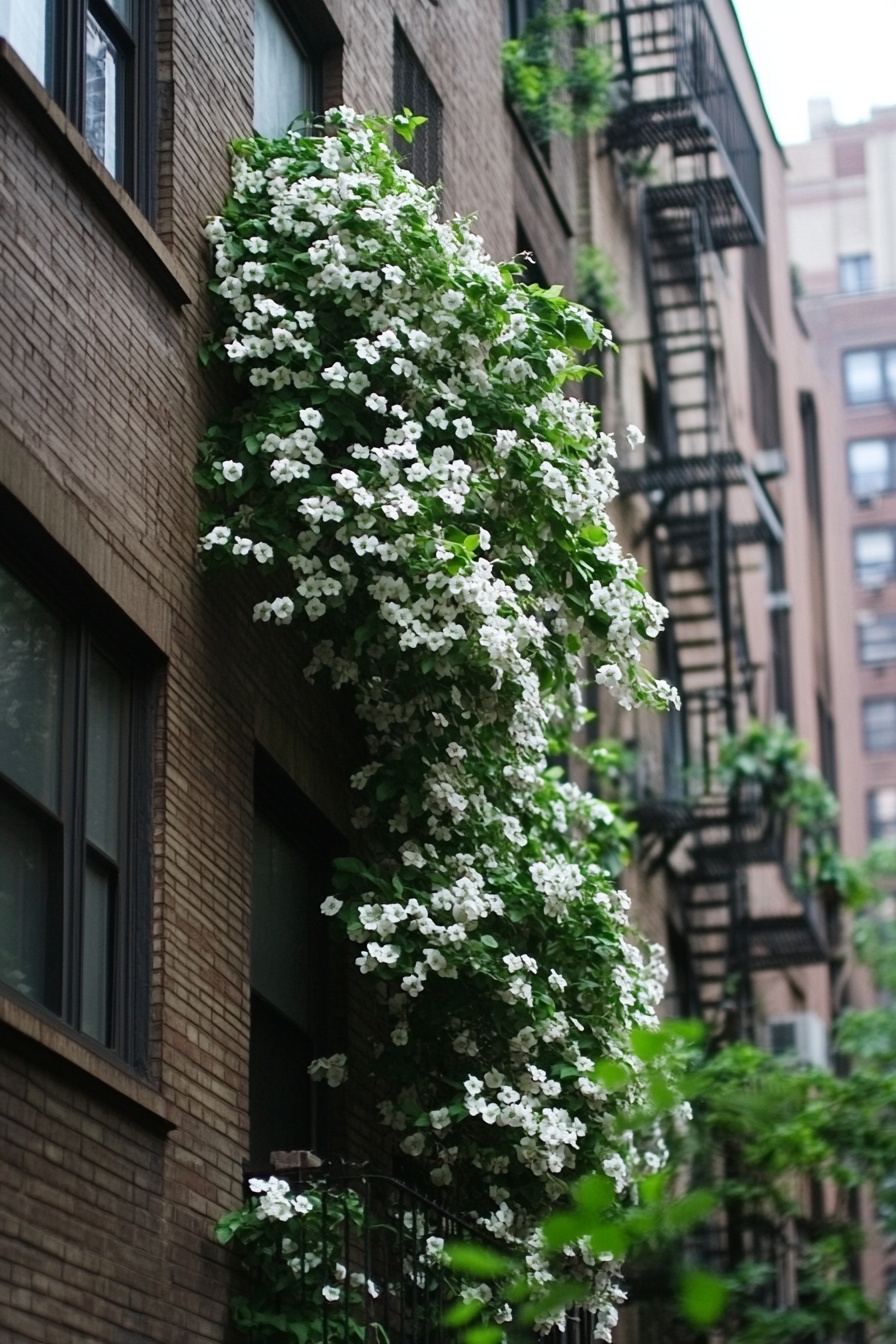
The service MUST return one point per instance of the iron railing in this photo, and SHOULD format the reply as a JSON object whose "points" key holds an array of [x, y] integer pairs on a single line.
{"points": [[373, 1270]]}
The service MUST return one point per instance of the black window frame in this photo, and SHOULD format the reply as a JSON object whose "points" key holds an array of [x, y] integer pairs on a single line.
{"points": [[855, 477], [888, 396], [412, 88], [868, 730], [92, 624], [65, 79]]}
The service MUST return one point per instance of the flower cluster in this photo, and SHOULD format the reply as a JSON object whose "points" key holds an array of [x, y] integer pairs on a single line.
{"points": [[432, 509]]}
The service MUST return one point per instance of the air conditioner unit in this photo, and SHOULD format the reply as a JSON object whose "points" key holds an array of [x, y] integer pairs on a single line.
{"points": [[801, 1036]]}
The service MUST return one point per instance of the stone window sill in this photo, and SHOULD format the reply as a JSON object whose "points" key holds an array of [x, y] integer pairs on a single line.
{"points": [[29, 1031], [21, 87]]}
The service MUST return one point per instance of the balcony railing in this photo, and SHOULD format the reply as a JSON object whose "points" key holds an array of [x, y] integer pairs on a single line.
{"points": [[374, 1273]]}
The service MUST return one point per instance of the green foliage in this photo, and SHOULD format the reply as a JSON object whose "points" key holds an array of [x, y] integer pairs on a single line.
{"points": [[597, 281], [557, 75]]}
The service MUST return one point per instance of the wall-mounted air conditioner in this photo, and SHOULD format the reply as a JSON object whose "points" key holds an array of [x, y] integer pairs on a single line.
{"points": [[801, 1036]]}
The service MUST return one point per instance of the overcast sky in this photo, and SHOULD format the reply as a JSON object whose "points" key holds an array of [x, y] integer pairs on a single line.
{"points": [[844, 50]]}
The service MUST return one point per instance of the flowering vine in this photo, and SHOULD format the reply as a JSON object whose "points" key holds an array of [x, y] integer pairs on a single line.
{"points": [[431, 509]]}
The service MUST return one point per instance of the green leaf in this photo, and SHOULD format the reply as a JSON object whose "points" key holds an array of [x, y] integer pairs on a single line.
{"points": [[702, 1297], [484, 1334], [480, 1262], [488, 941], [471, 543], [461, 1313], [349, 866], [596, 535]]}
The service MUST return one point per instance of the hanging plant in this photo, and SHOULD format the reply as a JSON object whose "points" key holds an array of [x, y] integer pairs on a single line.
{"points": [[431, 510], [559, 77]]}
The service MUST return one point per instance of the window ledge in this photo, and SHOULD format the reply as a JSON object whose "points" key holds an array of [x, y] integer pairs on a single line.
{"points": [[26, 1029], [22, 87]]}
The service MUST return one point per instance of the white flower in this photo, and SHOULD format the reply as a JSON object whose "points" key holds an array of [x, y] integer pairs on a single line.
{"points": [[331, 1293], [463, 427], [263, 553], [232, 471], [219, 536], [333, 1069], [634, 436], [242, 545], [413, 1144], [331, 906], [376, 403]]}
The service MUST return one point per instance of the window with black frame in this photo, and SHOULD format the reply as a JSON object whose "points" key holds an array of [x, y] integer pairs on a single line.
{"points": [[74, 789], [95, 59], [413, 89], [292, 853], [286, 78]]}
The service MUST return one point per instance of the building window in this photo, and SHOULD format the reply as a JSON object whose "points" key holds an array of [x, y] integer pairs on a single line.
{"points": [[882, 814], [856, 274], [292, 853], [870, 375], [517, 15], [879, 724], [95, 59], [877, 640], [874, 549], [872, 466], [412, 88], [73, 790], [285, 77]]}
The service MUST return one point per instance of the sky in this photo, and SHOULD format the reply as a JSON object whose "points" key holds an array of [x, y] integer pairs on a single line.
{"points": [[844, 50]]}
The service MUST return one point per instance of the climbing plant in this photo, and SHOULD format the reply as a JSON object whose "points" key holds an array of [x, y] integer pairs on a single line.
{"points": [[558, 72], [403, 470]]}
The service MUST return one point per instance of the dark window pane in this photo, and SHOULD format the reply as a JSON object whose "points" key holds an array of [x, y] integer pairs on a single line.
{"points": [[124, 9], [30, 913], [96, 950], [280, 1091], [102, 88], [31, 653], [879, 723], [284, 907], [105, 729], [282, 73], [412, 88]]}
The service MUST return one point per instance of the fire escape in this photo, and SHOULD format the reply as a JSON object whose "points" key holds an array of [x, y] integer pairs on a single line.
{"points": [[677, 105]]}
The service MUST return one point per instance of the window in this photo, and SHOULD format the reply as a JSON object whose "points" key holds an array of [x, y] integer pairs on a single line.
{"points": [[882, 814], [95, 58], [284, 76], [73, 849], [875, 555], [870, 375], [517, 14], [877, 640], [412, 88], [856, 274], [872, 466], [879, 724], [292, 853]]}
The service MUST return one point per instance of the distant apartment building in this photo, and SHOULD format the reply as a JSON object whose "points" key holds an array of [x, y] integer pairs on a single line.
{"points": [[842, 225]]}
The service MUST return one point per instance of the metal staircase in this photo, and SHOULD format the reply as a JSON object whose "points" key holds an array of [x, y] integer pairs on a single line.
{"points": [[676, 100]]}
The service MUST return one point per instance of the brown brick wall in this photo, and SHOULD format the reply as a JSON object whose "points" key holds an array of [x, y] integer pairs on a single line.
{"points": [[105, 1222]]}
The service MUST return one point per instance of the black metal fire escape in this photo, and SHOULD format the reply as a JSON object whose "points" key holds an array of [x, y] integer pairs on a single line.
{"points": [[677, 102]]}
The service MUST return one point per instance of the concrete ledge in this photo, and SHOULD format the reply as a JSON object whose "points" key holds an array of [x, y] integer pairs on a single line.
{"points": [[21, 87], [28, 1030]]}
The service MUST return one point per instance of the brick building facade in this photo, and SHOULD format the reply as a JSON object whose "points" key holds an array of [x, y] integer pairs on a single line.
{"points": [[144, 718]]}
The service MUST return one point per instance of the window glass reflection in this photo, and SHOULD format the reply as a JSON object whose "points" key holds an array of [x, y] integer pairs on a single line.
{"points": [[24, 25], [31, 651], [101, 84], [282, 73]]}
